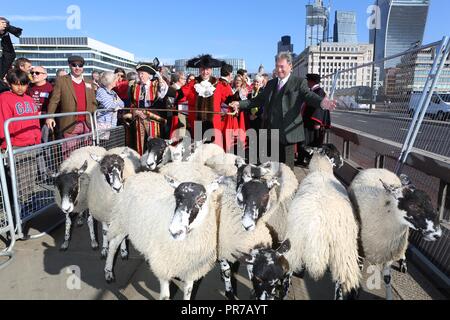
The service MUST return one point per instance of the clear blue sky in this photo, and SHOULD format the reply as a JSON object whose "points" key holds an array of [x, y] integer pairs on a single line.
{"points": [[248, 29]]}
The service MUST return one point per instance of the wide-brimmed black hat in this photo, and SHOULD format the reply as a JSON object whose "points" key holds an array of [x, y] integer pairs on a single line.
{"points": [[314, 77], [74, 59], [205, 61]]}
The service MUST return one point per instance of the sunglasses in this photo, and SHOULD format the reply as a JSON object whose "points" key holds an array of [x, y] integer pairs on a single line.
{"points": [[36, 73], [77, 65]]}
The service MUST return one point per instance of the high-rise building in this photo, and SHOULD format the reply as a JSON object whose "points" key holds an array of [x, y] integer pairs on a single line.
{"points": [[402, 25], [345, 27], [180, 65], [285, 45], [317, 23], [52, 53], [337, 57]]}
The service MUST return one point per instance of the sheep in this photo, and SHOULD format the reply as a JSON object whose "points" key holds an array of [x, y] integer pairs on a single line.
{"points": [[223, 164], [175, 231], [233, 238], [275, 213], [322, 228], [386, 207], [270, 271], [203, 152], [71, 187], [107, 180], [160, 152]]}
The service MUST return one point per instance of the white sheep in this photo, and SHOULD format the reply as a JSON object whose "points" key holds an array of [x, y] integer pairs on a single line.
{"points": [[71, 188], [176, 232], [107, 180], [387, 206], [203, 152], [322, 228]]}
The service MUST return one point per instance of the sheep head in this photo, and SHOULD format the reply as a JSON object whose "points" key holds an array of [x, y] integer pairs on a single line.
{"points": [[414, 208], [269, 271], [67, 185], [192, 206]]}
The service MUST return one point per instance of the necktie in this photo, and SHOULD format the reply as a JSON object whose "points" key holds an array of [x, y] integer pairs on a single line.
{"points": [[280, 86], [142, 97]]}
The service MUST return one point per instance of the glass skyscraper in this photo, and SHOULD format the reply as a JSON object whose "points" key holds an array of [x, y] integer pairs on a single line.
{"points": [[317, 23], [345, 27], [402, 26]]}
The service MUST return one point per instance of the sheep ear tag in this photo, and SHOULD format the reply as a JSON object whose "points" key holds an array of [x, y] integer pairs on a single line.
{"points": [[240, 162], [212, 187], [83, 168], [406, 181], [172, 182], [284, 247], [96, 158], [392, 190], [272, 183]]}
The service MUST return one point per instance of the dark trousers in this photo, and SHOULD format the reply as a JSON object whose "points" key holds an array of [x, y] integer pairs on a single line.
{"points": [[286, 153]]}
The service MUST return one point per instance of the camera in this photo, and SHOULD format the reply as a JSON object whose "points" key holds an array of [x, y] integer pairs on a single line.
{"points": [[11, 29]]}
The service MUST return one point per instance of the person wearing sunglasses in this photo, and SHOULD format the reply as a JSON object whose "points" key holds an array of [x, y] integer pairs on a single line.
{"points": [[41, 89], [72, 93]]}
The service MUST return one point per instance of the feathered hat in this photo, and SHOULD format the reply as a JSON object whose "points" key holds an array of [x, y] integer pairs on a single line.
{"points": [[148, 67], [205, 61]]}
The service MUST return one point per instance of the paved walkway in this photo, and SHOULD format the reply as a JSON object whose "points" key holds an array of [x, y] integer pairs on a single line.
{"points": [[40, 271]]}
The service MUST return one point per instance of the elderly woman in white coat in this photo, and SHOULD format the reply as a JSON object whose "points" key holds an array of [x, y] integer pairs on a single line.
{"points": [[109, 101]]}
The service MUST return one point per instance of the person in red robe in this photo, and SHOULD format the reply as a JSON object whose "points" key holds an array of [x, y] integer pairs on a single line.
{"points": [[200, 95]]}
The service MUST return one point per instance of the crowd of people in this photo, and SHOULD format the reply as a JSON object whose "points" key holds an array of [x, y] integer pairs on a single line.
{"points": [[154, 102]]}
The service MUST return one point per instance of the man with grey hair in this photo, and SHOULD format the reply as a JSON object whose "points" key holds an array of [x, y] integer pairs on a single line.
{"points": [[281, 101]]}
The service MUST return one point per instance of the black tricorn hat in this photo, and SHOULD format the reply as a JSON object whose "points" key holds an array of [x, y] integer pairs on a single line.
{"points": [[313, 77], [149, 67], [205, 61]]}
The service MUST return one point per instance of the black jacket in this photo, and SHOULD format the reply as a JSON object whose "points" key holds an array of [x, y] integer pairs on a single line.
{"points": [[288, 105], [6, 61], [313, 116]]}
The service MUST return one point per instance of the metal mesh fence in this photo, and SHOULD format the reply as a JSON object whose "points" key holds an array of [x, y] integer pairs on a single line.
{"points": [[112, 137], [382, 100], [4, 223], [35, 191]]}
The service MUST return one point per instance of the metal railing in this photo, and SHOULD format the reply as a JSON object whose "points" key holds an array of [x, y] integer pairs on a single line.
{"points": [[6, 218], [32, 190], [383, 125]]}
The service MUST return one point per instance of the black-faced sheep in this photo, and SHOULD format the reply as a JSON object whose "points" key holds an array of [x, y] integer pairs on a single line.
{"points": [[175, 231], [107, 180], [387, 206], [71, 188]]}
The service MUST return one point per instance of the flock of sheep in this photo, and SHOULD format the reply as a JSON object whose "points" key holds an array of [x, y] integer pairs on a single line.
{"points": [[187, 207]]}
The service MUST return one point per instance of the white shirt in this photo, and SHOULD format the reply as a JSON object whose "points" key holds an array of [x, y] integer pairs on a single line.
{"points": [[77, 80], [282, 82]]}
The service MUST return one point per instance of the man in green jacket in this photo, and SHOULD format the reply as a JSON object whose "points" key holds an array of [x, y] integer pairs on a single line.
{"points": [[282, 100]]}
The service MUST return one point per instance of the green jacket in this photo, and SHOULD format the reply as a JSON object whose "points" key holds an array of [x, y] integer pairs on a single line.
{"points": [[292, 96]]}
